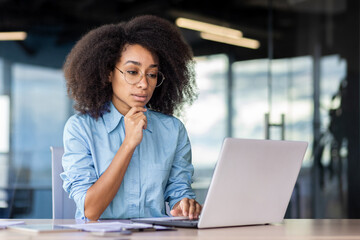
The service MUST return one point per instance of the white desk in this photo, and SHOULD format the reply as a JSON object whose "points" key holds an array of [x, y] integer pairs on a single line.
{"points": [[299, 229]]}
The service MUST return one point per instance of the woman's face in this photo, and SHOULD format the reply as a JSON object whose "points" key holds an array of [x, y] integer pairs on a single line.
{"points": [[135, 61]]}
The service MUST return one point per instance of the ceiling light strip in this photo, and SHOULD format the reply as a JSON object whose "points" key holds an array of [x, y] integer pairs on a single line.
{"points": [[241, 42], [208, 28], [13, 36]]}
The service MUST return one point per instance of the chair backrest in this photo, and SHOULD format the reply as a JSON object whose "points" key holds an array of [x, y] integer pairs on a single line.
{"points": [[62, 206]]}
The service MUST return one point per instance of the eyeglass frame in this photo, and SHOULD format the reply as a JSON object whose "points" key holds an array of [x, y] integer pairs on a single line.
{"points": [[141, 76]]}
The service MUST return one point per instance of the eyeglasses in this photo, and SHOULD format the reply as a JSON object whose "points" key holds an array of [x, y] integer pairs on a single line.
{"points": [[134, 76]]}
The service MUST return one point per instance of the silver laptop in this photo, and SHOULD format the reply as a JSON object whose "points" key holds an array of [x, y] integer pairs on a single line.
{"points": [[252, 184]]}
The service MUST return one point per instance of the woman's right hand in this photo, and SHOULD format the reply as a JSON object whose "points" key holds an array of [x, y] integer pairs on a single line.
{"points": [[135, 121], [103, 191]]}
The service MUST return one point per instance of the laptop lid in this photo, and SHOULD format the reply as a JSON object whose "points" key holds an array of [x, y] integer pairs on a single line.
{"points": [[252, 182]]}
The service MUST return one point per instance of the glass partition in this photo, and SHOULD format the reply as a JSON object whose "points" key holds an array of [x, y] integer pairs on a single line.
{"points": [[39, 109]]}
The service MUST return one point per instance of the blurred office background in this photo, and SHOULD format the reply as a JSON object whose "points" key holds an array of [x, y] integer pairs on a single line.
{"points": [[293, 73]]}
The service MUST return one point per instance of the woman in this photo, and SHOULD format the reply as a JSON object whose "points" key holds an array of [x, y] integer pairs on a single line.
{"points": [[125, 154]]}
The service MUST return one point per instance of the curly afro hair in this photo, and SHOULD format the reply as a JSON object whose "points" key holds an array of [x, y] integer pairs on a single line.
{"points": [[89, 63]]}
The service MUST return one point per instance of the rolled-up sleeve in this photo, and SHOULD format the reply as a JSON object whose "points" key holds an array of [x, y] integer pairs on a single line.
{"points": [[79, 172], [180, 179]]}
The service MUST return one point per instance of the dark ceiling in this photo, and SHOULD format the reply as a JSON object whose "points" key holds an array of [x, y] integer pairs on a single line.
{"points": [[54, 25]]}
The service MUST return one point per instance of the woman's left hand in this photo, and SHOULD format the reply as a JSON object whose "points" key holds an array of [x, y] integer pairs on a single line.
{"points": [[186, 207]]}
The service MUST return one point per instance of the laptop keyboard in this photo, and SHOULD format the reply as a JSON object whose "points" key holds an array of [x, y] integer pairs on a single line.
{"points": [[183, 220]]}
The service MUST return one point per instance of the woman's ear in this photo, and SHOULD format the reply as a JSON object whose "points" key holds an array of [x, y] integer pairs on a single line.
{"points": [[110, 76]]}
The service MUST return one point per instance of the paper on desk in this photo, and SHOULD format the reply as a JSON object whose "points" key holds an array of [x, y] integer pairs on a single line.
{"points": [[5, 224], [109, 226]]}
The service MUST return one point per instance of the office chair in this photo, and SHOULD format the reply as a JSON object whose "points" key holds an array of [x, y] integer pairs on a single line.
{"points": [[62, 206]]}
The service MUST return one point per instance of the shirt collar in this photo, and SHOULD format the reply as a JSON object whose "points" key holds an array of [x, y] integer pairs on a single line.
{"points": [[113, 118], [149, 120]]}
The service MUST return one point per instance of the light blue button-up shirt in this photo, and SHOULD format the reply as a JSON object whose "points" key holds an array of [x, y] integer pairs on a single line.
{"points": [[160, 169]]}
